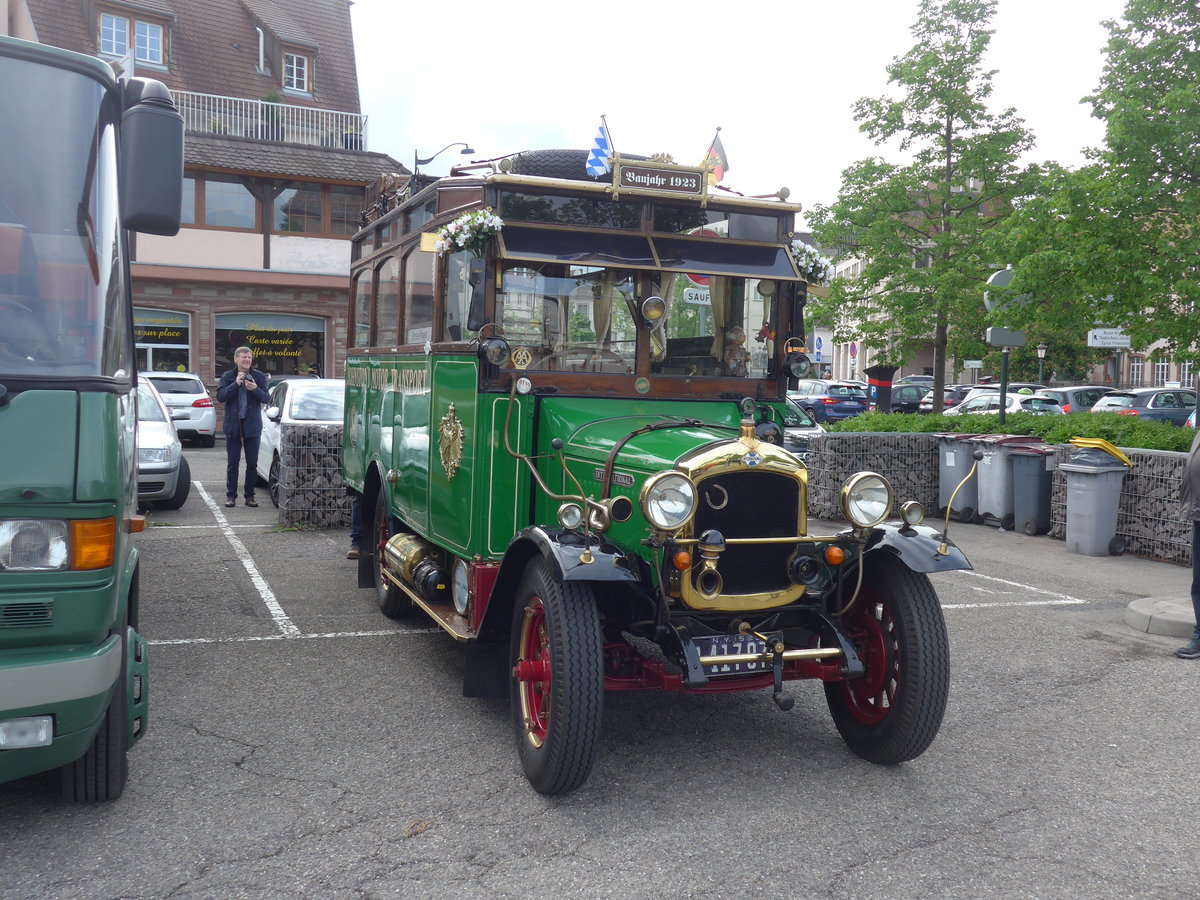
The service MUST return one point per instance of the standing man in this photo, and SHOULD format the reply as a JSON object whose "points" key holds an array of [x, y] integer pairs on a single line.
{"points": [[243, 390], [1189, 495]]}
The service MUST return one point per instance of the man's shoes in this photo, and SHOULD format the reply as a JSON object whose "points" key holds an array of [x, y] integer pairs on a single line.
{"points": [[1190, 650], [352, 553], [231, 501], [250, 501]]}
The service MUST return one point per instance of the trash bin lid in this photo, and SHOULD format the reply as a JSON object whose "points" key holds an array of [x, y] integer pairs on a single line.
{"points": [[1098, 458], [1101, 444], [1038, 449]]}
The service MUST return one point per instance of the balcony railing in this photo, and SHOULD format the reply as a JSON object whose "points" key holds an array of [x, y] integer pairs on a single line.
{"points": [[265, 121]]}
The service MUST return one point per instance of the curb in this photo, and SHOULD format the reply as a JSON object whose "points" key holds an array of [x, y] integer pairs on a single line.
{"points": [[1170, 616]]}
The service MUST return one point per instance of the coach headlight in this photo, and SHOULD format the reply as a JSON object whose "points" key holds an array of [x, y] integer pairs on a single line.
{"points": [[668, 501], [866, 499]]}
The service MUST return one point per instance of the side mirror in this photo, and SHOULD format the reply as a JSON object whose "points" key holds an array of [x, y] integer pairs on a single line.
{"points": [[151, 185], [274, 413]]}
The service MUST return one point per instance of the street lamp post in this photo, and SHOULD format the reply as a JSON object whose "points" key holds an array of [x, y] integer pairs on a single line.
{"points": [[417, 161], [1041, 350]]}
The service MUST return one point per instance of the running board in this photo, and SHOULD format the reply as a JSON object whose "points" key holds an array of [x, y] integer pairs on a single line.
{"points": [[444, 614]]}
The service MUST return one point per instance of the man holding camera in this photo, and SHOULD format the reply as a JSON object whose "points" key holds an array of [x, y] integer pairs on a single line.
{"points": [[243, 390]]}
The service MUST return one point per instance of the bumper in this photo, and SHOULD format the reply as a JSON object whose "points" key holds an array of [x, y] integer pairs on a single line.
{"points": [[73, 686], [157, 482]]}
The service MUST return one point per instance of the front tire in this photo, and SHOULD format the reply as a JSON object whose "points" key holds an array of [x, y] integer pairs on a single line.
{"points": [[273, 484], [183, 486], [393, 602], [893, 712], [100, 774], [557, 683]]}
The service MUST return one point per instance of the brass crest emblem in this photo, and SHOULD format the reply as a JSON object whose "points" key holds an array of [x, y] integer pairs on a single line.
{"points": [[521, 358], [450, 442]]}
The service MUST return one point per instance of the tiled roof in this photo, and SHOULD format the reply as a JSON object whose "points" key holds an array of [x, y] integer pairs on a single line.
{"points": [[213, 45], [267, 158]]}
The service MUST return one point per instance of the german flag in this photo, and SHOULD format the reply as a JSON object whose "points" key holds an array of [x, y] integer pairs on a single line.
{"points": [[716, 160]]}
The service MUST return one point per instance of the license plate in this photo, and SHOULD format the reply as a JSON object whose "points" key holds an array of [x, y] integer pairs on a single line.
{"points": [[731, 645]]}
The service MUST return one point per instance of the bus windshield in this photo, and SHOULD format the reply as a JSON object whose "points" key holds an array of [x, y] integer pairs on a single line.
{"points": [[60, 243]]}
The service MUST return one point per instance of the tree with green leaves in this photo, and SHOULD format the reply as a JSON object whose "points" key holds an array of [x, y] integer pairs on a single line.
{"points": [[1117, 242], [918, 226]]}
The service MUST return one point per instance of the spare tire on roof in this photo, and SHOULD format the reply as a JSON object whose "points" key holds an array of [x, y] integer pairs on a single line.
{"points": [[569, 164]]}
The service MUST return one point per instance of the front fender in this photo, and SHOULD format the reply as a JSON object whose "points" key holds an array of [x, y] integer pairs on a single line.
{"points": [[920, 547], [562, 551]]}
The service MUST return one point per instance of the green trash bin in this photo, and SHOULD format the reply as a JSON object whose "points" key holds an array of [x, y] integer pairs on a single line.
{"points": [[1094, 479]]}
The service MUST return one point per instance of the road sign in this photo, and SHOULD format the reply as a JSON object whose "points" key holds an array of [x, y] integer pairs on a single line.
{"points": [[972, 363], [853, 350], [1107, 337], [1003, 278], [1005, 337]]}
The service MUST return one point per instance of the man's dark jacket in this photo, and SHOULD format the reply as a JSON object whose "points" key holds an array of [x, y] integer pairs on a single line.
{"points": [[227, 393]]}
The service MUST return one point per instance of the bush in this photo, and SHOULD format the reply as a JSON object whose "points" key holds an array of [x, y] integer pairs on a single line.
{"points": [[1131, 432]]}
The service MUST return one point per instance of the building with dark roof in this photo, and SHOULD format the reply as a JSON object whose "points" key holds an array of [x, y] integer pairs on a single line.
{"points": [[276, 170]]}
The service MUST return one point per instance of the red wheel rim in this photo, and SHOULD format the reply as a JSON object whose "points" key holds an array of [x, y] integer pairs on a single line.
{"points": [[872, 628], [533, 684]]}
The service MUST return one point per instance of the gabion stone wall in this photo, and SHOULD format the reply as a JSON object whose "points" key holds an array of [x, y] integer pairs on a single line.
{"points": [[1150, 516], [909, 461], [311, 491]]}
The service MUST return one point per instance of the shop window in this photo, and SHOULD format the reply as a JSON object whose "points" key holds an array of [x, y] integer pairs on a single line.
{"points": [[283, 344], [162, 340]]}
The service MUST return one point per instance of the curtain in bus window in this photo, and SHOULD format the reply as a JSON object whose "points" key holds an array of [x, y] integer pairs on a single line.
{"points": [[418, 296], [387, 299]]}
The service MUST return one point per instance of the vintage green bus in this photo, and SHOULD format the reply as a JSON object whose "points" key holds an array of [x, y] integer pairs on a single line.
{"points": [[85, 158], [565, 410]]}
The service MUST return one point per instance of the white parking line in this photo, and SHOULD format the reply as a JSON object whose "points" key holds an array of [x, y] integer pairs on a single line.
{"points": [[1055, 598], [298, 636], [286, 626]]}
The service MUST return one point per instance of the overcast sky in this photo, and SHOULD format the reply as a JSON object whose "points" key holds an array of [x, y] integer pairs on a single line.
{"points": [[778, 76]]}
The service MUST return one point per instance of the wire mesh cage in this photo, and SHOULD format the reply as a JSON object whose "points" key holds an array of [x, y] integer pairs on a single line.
{"points": [[310, 477], [908, 461]]}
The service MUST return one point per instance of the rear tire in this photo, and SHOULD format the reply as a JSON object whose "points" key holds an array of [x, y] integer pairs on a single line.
{"points": [[101, 773], [273, 485], [556, 707], [393, 602], [183, 486], [893, 712]]}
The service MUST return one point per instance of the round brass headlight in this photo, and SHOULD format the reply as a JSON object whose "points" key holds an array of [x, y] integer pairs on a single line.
{"points": [[866, 499], [668, 501]]}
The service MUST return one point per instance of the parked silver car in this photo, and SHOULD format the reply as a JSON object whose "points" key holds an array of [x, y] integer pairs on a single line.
{"points": [[164, 478], [183, 390], [296, 401], [989, 403]]}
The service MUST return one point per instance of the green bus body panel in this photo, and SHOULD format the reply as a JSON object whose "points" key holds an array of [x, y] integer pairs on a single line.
{"points": [[452, 501], [37, 452]]}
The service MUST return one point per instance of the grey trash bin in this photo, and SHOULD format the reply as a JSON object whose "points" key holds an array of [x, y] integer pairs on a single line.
{"points": [[955, 458], [1093, 499], [1032, 480], [996, 476]]}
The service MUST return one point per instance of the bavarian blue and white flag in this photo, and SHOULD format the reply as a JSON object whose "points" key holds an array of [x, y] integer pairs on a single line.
{"points": [[599, 161]]}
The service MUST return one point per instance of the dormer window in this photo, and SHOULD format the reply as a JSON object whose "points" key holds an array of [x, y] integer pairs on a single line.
{"points": [[295, 72], [149, 38]]}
